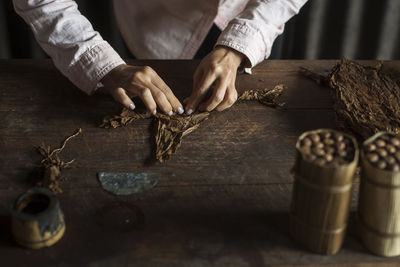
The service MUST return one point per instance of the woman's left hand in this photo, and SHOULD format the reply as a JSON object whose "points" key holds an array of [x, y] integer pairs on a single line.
{"points": [[218, 68]]}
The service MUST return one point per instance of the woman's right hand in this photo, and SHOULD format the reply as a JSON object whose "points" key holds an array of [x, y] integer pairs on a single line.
{"points": [[126, 81]]}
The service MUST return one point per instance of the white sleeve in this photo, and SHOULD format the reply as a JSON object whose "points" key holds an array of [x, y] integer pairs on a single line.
{"points": [[254, 30], [77, 50]]}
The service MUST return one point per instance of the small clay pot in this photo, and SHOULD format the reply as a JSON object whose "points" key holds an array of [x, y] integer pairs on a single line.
{"points": [[37, 220]]}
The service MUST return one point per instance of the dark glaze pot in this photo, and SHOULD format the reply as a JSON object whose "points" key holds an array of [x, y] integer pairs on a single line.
{"points": [[37, 220]]}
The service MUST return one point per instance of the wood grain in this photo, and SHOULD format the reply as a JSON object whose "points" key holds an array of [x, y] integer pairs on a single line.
{"points": [[223, 198]]}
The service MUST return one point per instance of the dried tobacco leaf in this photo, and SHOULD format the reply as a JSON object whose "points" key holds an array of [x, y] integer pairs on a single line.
{"points": [[126, 117], [318, 78], [366, 99], [265, 96], [52, 165], [171, 130]]}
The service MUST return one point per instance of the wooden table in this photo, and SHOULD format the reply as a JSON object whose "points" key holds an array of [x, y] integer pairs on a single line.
{"points": [[222, 199]]}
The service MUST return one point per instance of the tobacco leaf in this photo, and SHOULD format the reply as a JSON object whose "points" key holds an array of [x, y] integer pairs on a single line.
{"points": [[171, 130], [51, 165], [316, 77], [126, 117], [268, 97], [366, 99]]}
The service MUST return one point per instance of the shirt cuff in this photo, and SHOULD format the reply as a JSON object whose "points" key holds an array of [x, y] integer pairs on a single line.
{"points": [[246, 40], [92, 66]]}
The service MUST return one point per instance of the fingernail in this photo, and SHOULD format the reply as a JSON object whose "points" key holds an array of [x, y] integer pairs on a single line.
{"points": [[132, 106], [190, 111], [154, 112], [180, 110], [170, 113]]}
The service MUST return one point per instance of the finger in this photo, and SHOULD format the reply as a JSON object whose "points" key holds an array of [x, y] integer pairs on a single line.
{"points": [[231, 96], [198, 74], [161, 100], [148, 100], [217, 96], [197, 79], [119, 94], [200, 89], [173, 101]]}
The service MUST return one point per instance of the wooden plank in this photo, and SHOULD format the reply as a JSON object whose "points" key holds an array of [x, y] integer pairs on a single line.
{"points": [[48, 108], [239, 146]]}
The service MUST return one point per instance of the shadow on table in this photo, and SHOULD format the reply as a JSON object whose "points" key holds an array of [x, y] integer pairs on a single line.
{"points": [[121, 232], [198, 237], [6, 239]]}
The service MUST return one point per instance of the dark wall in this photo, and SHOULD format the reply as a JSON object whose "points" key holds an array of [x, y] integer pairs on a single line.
{"points": [[324, 29], [357, 29]]}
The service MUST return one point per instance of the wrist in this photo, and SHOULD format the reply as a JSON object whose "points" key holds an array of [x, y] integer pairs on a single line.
{"points": [[237, 58], [110, 78]]}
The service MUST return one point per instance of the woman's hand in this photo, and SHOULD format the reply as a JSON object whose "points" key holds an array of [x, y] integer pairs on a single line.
{"points": [[127, 81], [218, 68]]}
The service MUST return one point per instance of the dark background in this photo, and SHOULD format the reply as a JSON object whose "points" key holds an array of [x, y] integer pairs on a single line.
{"points": [[324, 29]]}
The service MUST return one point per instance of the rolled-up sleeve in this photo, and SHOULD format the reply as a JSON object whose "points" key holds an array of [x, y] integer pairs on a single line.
{"points": [[76, 49], [254, 30]]}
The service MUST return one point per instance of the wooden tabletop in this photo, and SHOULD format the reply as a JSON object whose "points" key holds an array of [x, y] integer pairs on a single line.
{"points": [[223, 199]]}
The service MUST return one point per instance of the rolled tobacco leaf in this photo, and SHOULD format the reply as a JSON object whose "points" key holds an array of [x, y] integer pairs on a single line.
{"points": [[325, 165], [378, 203]]}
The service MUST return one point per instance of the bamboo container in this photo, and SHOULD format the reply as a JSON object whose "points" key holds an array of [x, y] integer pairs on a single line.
{"points": [[37, 220], [321, 200], [379, 207]]}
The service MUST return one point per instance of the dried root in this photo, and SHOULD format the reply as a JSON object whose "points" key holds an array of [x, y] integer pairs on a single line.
{"points": [[52, 165]]}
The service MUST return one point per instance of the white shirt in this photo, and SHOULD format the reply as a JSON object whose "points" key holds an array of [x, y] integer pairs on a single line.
{"points": [[153, 29]]}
